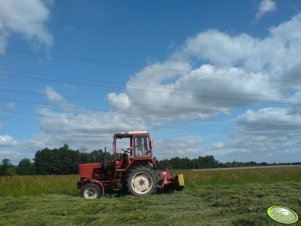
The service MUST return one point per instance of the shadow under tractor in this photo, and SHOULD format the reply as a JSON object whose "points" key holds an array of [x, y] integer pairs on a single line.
{"points": [[133, 168]]}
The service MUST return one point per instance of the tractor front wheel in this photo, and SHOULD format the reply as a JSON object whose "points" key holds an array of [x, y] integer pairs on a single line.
{"points": [[141, 181], [90, 191]]}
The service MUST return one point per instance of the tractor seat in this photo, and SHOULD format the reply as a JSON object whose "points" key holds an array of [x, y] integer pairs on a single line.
{"points": [[120, 163], [124, 162]]}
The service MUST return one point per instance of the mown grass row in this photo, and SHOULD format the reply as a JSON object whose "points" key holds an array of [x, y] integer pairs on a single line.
{"points": [[66, 184]]}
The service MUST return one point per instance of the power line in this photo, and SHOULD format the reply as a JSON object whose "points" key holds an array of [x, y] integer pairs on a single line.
{"points": [[125, 64], [66, 105], [11, 72], [99, 121], [85, 108], [89, 120], [70, 106], [88, 99], [59, 76], [141, 85], [171, 93], [43, 94], [88, 60], [138, 90]]}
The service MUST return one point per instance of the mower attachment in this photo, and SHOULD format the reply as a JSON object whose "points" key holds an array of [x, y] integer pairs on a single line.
{"points": [[180, 179], [168, 181]]}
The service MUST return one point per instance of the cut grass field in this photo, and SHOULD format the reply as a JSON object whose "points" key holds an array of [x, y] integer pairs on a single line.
{"points": [[219, 197]]}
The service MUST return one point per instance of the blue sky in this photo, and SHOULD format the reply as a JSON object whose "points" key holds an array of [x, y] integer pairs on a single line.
{"points": [[204, 77]]}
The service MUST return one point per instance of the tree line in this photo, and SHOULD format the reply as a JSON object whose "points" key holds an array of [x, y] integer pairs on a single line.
{"points": [[65, 161], [49, 161]]}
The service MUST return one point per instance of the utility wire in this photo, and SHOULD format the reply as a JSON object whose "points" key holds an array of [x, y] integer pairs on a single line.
{"points": [[60, 76], [135, 66], [140, 85], [66, 105], [84, 108], [44, 94], [11, 73], [90, 60], [70, 106], [89, 120], [170, 93], [98, 121]]}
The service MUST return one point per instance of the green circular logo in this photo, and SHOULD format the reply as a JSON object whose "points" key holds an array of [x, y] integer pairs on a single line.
{"points": [[282, 214]]}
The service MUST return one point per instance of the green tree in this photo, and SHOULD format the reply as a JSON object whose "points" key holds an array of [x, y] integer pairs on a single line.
{"points": [[6, 168], [26, 167], [57, 161]]}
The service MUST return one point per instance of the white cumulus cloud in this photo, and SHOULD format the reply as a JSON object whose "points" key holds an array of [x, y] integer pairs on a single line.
{"points": [[264, 7], [179, 147], [66, 123], [53, 95], [26, 18], [15, 149], [89, 129], [212, 73], [7, 140], [215, 72], [57, 99], [119, 101], [219, 47], [269, 134], [239, 71]]}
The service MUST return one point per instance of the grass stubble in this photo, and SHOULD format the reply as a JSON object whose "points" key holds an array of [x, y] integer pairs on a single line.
{"points": [[219, 197]]}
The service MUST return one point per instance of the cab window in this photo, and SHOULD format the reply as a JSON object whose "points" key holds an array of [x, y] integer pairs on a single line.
{"points": [[141, 145]]}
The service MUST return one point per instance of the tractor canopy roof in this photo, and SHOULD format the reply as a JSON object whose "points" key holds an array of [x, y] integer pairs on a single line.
{"points": [[130, 134]]}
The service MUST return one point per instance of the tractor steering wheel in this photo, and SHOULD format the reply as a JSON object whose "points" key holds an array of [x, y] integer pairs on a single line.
{"points": [[126, 150]]}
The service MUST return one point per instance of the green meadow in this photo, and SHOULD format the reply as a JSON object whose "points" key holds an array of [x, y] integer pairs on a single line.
{"points": [[211, 197]]}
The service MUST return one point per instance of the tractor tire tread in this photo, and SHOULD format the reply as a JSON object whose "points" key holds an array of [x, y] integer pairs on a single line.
{"points": [[99, 193], [148, 170]]}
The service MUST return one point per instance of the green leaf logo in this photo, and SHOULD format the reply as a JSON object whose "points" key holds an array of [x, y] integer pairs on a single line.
{"points": [[282, 214]]}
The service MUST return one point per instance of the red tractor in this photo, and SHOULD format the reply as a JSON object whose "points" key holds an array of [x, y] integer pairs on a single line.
{"points": [[133, 168]]}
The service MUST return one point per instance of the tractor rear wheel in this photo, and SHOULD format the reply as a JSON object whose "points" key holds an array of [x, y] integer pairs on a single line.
{"points": [[90, 191], [141, 181]]}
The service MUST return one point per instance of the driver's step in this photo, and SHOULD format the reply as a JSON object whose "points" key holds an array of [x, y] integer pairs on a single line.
{"points": [[115, 187]]}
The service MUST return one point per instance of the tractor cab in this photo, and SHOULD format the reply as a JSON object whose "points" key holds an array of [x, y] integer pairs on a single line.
{"points": [[131, 147]]}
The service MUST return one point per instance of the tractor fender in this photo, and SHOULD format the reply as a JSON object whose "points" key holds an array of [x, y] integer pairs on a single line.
{"points": [[141, 162], [99, 184]]}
